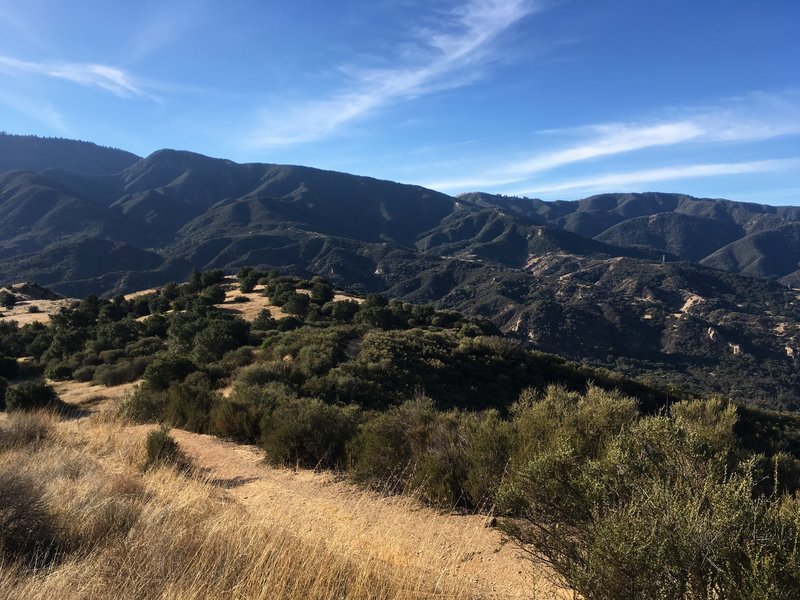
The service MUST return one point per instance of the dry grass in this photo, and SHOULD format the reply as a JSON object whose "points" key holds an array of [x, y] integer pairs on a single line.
{"points": [[19, 312], [124, 533]]}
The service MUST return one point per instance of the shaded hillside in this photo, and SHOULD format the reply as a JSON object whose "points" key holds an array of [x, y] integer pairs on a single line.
{"points": [[774, 253], [685, 236], [680, 226], [32, 153], [582, 279]]}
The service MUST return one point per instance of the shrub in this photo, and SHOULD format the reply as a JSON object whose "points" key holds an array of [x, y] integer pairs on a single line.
{"points": [[381, 452], [111, 356], [3, 390], [440, 466], [85, 373], [59, 372], [144, 405], [34, 309], [166, 369], [162, 450], [261, 374], [649, 507], [236, 419], [123, 372], [148, 346], [8, 367], [236, 359], [31, 395], [264, 320], [7, 299], [487, 448], [308, 432]]}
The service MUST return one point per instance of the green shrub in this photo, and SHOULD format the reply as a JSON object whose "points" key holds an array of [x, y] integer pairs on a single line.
{"points": [[85, 373], [262, 374], [34, 309], [162, 450], [144, 405], [648, 507], [3, 390], [487, 449], [32, 395], [238, 358], [59, 372], [381, 452], [237, 420], [308, 432], [264, 320], [166, 369], [122, 372], [111, 356], [147, 347]]}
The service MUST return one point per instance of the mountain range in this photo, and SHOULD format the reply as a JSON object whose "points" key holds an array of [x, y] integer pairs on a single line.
{"points": [[680, 291]]}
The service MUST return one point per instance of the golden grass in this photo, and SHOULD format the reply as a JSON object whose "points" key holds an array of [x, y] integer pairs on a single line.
{"points": [[125, 533], [19, 312]]}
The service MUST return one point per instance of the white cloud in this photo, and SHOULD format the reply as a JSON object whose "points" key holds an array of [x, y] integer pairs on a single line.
{"points": [[111, 79], [750, 118], [447, 57], [615, 181]]}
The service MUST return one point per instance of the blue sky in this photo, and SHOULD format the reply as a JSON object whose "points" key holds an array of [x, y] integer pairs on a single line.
{"points": [[543, 98]]}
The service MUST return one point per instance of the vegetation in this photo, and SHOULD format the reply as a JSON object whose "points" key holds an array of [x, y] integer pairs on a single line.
{"points": [[77, 521], [624, 490]]}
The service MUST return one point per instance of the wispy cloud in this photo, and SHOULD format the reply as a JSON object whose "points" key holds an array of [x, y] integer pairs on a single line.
{"points": [[168, 22], [750, 118], [448, 56], [111, 79], [620, 181], [42, 112]]}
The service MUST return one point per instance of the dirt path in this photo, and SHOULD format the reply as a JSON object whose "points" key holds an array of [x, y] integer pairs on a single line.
{"points": [[395, 529]]}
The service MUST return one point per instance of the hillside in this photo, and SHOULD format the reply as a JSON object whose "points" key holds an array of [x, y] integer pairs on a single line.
{"points": [[32, 153], [581, 279], [312, 443]]}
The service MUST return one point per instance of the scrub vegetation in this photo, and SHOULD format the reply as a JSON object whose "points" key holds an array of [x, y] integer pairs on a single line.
{"points": [[623, 490]]}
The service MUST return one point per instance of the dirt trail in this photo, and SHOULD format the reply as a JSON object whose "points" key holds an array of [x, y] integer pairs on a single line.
{"points": [[395, 529]]}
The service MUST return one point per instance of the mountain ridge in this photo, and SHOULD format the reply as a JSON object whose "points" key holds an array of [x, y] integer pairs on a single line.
{"points": [[605, 279]]}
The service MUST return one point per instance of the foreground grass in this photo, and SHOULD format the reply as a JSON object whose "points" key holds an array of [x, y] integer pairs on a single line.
{"points": [[83, 519]]}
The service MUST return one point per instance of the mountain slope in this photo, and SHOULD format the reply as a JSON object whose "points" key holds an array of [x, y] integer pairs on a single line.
{"points": [[773, 254], [583, 279], [31, 153]]}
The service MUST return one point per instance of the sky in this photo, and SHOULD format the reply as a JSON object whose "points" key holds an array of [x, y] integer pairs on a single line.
{"points": [[553, 99]]}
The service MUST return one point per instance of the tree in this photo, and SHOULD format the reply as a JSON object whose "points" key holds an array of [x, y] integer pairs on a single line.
{"points": [[7, 299], [167, 368]]}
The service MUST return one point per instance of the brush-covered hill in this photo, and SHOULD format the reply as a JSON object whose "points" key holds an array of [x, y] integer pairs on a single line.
{"points": [[653, 285], [32, 153]]}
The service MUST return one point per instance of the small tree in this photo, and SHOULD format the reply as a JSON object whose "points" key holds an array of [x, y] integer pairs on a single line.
{"points": [[7, 299]]}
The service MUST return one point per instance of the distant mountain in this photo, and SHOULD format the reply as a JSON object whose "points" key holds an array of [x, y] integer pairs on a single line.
{"points": [[32, 153], [678, 226], [623, 281], [774, 253]]}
